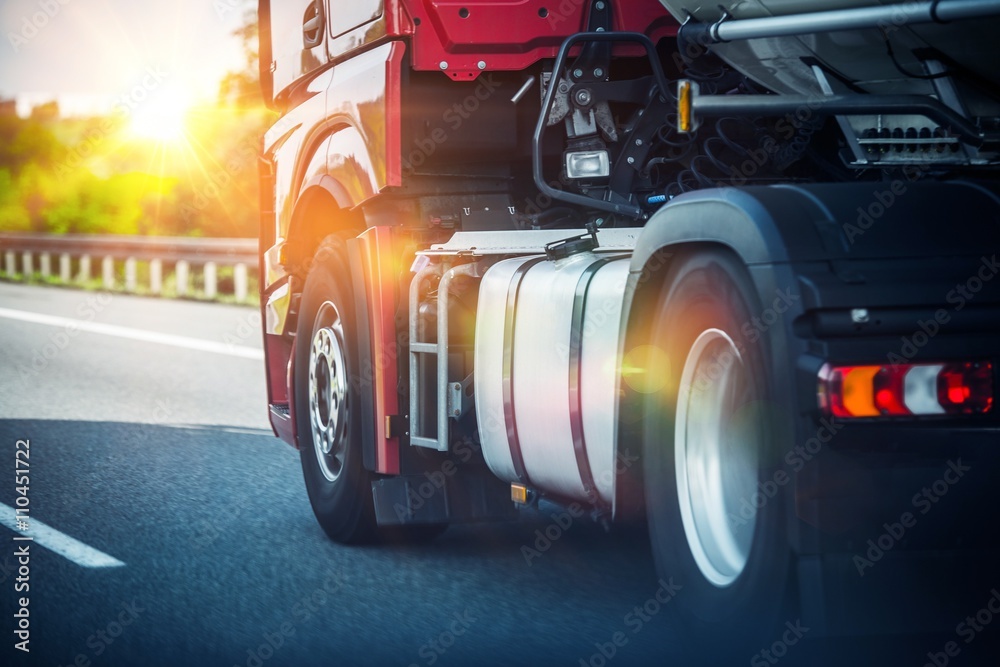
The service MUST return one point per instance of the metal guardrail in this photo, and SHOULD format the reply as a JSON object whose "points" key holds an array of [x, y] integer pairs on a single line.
{"points": [[77, 252]]}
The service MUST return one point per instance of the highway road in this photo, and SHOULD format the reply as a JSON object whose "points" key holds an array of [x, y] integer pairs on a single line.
{"points": [[173, 529], [160, 456]]}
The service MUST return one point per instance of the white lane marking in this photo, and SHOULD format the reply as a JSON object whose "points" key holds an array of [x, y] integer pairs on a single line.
{"points": [[134, 334], [50, 538]]}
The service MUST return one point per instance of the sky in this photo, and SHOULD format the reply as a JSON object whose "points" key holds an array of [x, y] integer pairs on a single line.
{"points": [[92, 54]]}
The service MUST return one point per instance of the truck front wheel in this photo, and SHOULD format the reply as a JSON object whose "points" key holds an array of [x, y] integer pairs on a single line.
{"points": [[327, 410], [707, 445]]}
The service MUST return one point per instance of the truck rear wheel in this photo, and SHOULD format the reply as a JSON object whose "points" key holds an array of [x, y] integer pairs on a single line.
{"points": [[327, 411], [706, 448]]}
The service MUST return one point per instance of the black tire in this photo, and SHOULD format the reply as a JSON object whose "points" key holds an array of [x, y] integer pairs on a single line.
{"points": [[735, 585], [338, 485], [343, 505]]}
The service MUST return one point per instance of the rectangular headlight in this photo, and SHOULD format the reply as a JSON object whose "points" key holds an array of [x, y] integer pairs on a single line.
{"points": [[588, 164]]}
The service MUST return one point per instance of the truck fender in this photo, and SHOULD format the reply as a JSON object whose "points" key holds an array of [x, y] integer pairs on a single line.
{"points": [[819, 248]]}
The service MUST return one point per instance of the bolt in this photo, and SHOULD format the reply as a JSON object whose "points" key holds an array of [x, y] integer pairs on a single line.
{"points": [[638, 142], [563, 87], [577, 73], [859, 315], [599, 6], [598, 72], [443, 64], [583, 97], [630, 160], [599, 222], [599, 30], [481, 64]]}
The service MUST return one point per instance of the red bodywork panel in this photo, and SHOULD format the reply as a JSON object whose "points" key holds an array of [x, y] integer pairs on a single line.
{"points": [[503, 35], [394, 117], [381, 278], [455, 36]]}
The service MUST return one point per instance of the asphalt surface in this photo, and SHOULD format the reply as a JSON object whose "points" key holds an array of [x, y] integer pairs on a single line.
{"points": [[161, 457]]}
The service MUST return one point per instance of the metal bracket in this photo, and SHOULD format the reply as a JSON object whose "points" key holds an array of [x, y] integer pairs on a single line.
{"points": [[713, 29], [460, 397], [617, 204], [595, 57]]}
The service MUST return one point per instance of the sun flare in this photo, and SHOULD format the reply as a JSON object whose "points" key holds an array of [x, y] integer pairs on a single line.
{"points": [[162, 119]]}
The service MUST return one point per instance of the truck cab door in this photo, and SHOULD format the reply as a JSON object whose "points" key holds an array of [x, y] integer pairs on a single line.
{"points": [[295, 36], [354, 23]]}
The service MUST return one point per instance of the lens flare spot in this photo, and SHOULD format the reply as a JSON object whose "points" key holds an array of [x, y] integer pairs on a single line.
{"points": [[646, 369]]}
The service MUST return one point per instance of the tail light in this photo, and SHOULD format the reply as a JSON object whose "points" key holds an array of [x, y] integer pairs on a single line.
{"points": [[905, 390]]}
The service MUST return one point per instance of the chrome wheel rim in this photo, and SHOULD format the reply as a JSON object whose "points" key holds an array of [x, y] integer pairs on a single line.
{"points": [[715, 460], [328, 395]]}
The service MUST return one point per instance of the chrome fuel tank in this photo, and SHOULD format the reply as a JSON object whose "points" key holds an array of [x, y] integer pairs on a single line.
{"points": [[547, 339]]}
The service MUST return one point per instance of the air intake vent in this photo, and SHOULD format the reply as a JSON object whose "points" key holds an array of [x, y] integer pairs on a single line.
{"points": [[878, 142]]}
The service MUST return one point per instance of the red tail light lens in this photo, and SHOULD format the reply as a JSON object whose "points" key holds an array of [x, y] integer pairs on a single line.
{"points": [[890, 391], [964, 388]]}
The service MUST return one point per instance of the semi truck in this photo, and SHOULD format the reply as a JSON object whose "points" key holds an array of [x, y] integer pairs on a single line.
{"points": [[726, 271]]}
